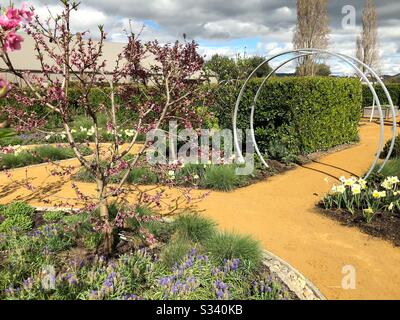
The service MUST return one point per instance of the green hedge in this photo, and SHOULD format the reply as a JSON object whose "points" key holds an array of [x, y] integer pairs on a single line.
{"points": [[296, 116], [54, 120], [393, 88]]}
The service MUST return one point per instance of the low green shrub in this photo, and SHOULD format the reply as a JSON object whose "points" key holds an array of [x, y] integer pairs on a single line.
{"points": [[92, 240], [18, 209], [222, 178], [18, 216], [19, 223], [162, 231], [391, 169], [228, 246], [53, 216], [138, 175], [396, 150], [175, 252], [195, 228], [38, 155]]}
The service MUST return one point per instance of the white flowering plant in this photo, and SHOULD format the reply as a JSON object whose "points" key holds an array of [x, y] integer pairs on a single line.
{"points": [[356, 195]]}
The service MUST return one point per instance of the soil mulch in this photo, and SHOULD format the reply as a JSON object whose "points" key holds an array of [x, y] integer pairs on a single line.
{"points": [[385, 225]]}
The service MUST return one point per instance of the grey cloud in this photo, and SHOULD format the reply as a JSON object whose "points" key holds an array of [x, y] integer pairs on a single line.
{"points": [[269, 20]]}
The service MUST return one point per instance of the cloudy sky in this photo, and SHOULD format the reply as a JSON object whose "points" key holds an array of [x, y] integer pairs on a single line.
{"points": [[261, 27]]}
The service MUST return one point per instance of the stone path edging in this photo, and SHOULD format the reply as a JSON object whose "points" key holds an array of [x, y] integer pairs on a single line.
{"points": [[303, 288]]}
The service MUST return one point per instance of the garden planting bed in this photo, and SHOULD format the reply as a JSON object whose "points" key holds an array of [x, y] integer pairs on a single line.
{"points": [[17, 156], [386, 225], [184, 258]]}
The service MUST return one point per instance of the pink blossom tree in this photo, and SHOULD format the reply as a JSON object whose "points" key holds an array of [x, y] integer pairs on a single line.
{"points": [[170, 84]]}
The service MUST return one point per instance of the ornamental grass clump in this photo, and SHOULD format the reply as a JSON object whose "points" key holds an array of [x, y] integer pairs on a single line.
{"points": [[227, 246], [358, 196], [194, 227]]}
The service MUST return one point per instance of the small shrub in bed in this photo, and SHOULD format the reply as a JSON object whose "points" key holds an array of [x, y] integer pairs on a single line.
{"points": [[17, 216], [228, 246], [138, 175], [396, 150], [38, 155], [195, 228], [391, 169], [222, 178], [53, 216], [175, 251]]}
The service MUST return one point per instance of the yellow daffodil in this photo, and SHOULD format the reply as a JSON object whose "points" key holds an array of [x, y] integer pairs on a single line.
{"points": [[368, 211], [376, 194], [382, 194]]}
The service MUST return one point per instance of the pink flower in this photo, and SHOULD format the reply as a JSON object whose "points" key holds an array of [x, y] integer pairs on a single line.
{"points": [[25, 12], [7, 23], [12, 42], [13, 14]]}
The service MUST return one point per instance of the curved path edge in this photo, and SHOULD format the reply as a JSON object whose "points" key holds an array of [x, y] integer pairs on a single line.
{"points": [[302, 287]]}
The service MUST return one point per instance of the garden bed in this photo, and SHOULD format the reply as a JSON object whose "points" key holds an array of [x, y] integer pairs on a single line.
{"points": [[186, 258], [373, 206], [385, 225], [18, 157], [209, 177]]}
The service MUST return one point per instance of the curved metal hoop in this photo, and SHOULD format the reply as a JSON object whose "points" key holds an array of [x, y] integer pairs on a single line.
{"points": [[307, 52]]}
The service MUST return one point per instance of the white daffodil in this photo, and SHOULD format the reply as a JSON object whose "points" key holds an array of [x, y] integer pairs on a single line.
{"points": [[171, 174], [196, 177], [48, 137], [393, 180], [350, 182], [73, 131], [363, 183], [356, 189], [342, 179], [387, 185], [91, 132], [338, 189], [83, 129], [130, 133], [391, 206]]}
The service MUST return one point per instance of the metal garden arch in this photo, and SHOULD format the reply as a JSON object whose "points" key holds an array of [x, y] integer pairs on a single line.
{"points": [[312, 52]]}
